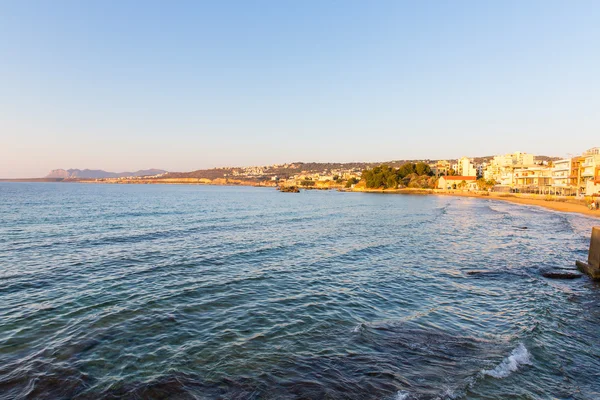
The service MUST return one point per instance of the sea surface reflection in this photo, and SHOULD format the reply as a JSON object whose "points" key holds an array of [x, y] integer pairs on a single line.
{"points": [[164, 291]]}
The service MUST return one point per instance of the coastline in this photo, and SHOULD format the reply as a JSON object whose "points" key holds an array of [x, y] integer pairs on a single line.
{"points": [[567, 205], [561, 204]]}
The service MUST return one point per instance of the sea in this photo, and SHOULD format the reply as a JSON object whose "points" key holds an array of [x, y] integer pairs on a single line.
{"points": [[205, 292]]}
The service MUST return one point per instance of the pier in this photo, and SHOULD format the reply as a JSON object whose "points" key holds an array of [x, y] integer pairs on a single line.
{"points": [[592, 266]]}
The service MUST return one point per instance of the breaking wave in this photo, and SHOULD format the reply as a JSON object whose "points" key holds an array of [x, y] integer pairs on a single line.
{"points": [[402, 395], [519, 356]]}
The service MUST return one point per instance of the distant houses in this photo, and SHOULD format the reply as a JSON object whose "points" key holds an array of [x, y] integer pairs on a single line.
{"points": [[521, 172], [440, 167], [570, 176], [501, 168]]}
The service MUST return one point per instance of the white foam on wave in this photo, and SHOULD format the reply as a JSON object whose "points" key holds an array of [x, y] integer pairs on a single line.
{"points": [[401, 395], [510, 364]]}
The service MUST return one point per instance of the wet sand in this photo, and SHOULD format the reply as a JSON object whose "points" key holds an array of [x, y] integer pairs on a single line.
{"points": [[562, 206], [567, 205]]}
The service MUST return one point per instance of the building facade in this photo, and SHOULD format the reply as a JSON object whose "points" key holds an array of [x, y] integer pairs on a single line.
{"points": [[501, 168], [464, 167], [441, 167], [561, 173], [590, 171], [533, 176], [456, 182]]}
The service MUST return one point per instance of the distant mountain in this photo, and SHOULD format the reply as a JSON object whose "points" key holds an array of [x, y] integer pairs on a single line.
{"points": [[98, 173]]}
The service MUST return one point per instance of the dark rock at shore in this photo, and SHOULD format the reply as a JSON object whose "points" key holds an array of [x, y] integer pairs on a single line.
{"points": [[289, 189]]}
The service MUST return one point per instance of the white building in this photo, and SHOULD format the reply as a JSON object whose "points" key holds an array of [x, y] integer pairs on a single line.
{"points": [[501, 167], [457, 182], [533, 176], [561, 173], [464, 167], [590, 171]]}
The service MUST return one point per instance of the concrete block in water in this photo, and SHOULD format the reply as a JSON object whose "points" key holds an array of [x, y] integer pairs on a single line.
{"points": [[592, 267]]}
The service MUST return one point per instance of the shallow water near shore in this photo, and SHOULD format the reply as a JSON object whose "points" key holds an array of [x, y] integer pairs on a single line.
{"points": [[174, 291]]}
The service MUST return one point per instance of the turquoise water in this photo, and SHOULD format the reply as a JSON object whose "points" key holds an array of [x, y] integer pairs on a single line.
{"points": [[152, 291]]}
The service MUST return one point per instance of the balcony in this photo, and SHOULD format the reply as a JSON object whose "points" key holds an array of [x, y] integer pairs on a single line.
{"points": [[587, 174]]}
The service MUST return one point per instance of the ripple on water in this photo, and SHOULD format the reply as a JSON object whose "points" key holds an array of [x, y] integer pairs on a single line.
{"points": [[205, 292]]}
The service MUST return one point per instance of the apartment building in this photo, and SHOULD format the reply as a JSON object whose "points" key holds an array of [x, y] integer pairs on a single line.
{"points": [[533, 176], [590, 171], [561, 173], [440, 167], [501, 168], [464, 167]]}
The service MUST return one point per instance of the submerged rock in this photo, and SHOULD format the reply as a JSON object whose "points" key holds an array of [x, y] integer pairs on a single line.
{"points": [[482, 272]]}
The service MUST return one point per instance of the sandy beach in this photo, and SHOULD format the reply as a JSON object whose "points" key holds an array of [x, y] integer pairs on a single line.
{"points": [[562, 205]]}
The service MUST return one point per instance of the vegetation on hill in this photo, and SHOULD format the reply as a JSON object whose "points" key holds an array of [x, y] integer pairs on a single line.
{"points": [[416, 175], [307, 183], [352, 181]]}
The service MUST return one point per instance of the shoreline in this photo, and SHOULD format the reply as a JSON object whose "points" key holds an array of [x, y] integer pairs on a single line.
{"points": [[560, 204]]}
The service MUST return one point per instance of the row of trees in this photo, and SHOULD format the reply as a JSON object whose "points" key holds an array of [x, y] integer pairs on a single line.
{"points": [[409, 174]]}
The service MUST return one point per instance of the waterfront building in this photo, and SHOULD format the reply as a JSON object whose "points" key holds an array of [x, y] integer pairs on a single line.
{"points": [[561, 173], [464, 167], [440, 167], [456, 182], [501, 168], [575, 177], [533, 177], [590, 171]]}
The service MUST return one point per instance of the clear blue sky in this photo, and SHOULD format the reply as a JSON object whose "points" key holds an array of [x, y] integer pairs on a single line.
{"points": [[125, 85]]}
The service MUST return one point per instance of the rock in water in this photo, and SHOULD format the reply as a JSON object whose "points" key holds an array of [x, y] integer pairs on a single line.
{"points": [[289, 189], [560, 275]]}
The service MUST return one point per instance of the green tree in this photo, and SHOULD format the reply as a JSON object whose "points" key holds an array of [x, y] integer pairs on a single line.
{"points": [[351, 181], [391, 181], [406, 169], [483, 184], [382, 176], [423, 169]]}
